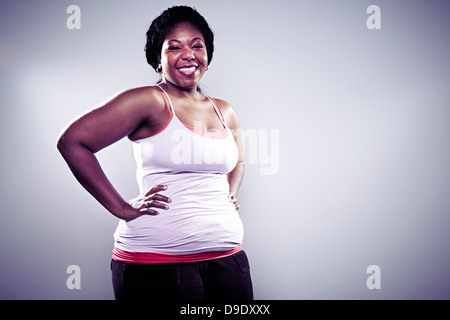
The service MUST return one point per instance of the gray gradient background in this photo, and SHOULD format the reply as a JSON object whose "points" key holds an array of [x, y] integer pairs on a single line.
{"points": [[363, 117]]}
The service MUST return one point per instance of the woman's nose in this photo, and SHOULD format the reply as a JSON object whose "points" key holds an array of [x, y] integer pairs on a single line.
{"points": [[188, 54]]}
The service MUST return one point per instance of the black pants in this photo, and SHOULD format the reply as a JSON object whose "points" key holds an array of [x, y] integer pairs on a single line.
{"points": [[220, 279]]}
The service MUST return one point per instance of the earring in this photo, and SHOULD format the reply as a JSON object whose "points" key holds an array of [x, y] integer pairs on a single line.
{"points": [[159, 69]]}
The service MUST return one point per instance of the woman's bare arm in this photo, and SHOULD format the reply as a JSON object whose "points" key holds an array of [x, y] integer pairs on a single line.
{"points": [[99, 128], [236, 176]]}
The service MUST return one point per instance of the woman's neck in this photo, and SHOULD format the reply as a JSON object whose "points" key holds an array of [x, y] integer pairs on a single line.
{"points": [[179, 92]]}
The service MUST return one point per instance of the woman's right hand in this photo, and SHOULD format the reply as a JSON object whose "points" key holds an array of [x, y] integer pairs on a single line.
{"points": [[149, 203]]}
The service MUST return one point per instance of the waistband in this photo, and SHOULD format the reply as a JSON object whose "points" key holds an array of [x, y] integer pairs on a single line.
{"points": [[157, 258]]}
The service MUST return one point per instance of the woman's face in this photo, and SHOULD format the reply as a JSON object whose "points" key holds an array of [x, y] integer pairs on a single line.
{"points": [[184, 58]]}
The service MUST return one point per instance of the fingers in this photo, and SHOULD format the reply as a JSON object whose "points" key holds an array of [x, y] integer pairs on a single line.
{"points": [[156, 189], [156, 204], [233, 200], [157, 197], [148, 210], [154, 200], [147, 207]]}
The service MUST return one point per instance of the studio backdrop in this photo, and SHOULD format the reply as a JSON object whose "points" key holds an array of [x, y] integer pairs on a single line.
{"points": [[345, 110]]}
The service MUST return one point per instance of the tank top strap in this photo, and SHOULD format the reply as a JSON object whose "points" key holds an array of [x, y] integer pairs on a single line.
{"points": [[213, 101], [217, 109], [167, 101]]}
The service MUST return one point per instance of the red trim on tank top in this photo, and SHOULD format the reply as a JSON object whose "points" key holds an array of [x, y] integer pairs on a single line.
{"points": [[218, 108], [170, 118], [222, 134], [158, 258], [163, 128]]}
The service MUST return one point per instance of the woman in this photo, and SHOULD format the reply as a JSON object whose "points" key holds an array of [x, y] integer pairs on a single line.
{"points": [[181, 238]]}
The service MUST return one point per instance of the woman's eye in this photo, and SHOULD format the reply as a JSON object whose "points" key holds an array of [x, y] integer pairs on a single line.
{"points": [[198, 46], [174, 48]]}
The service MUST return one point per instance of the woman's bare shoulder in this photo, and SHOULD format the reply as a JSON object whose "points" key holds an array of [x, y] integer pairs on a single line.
{"points": [[228, 112], [149, 96]]}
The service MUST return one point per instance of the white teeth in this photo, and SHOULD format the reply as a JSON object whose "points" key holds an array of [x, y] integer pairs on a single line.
{"points": [[187, 70]]}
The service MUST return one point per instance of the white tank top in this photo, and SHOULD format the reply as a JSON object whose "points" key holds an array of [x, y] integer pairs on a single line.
{"points": [[201, 217]]}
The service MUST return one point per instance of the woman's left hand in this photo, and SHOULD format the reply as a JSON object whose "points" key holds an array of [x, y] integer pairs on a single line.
{"points": [[233, 200]]}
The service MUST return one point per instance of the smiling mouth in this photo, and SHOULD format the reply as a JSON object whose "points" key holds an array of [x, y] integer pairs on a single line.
{"points": [[187, 70]]}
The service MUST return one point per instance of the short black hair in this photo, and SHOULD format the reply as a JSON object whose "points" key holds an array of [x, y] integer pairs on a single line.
{"points": [[165, 22]]}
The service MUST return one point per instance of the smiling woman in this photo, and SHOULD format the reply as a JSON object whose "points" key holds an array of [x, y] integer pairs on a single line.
{"points": [[185, 59], [160, 27], [181, 237]]}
